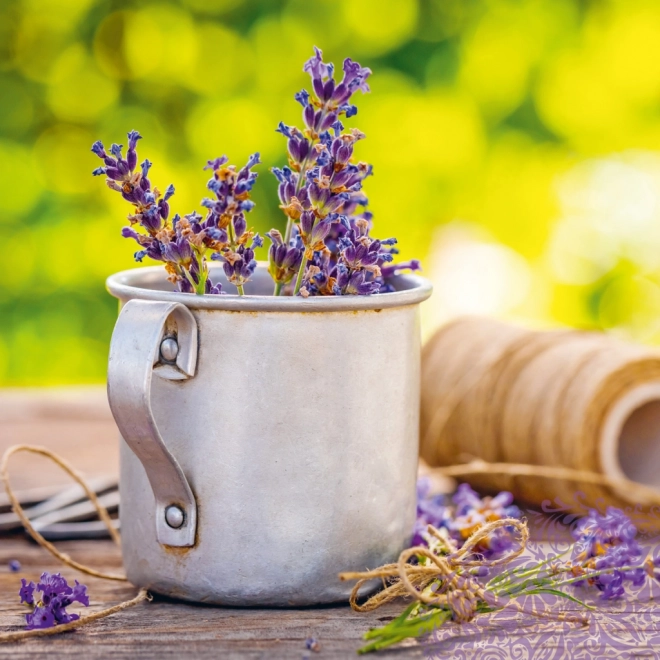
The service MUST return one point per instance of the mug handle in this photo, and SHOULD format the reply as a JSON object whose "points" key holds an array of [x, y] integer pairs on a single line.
{"points": [[154, 337]]}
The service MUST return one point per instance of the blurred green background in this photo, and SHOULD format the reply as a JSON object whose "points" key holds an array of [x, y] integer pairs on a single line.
{"points": [[515, 145]]}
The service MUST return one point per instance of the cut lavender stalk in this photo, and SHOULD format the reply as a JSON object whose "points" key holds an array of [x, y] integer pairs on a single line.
{"points": [[226, 215], [186, 243]]}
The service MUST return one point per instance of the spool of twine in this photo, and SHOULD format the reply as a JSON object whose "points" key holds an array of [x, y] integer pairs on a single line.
{"points": [[576, 412]]}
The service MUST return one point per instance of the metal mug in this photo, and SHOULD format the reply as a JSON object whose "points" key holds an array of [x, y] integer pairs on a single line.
{"points": [[269, 442]]}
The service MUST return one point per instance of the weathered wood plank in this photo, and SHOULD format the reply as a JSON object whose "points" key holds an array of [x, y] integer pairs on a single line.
{"points": [[77, 424], [169, 629]]}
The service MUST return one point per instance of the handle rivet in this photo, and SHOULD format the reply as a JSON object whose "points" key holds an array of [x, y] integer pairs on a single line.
{"points": [[169, 349], [174, 516]]}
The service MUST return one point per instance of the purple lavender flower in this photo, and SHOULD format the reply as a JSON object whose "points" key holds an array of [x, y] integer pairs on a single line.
{"points": [[360, 259], [598, 530], [283, 260], [468, 514], [431, 510], [40, 617], [319, 279], [312, 644], [326, 248], [56, 595], [473, 511], [226, 218], [151, 208], [14, 565], [353, 283], [395, 269], [605, 542], [331, 97], [52, 585], [239, 265], [26, 592], [468, 502]]}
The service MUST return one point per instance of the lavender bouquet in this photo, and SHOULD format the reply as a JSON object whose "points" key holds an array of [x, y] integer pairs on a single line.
{"points": [[326, 248], [461, 566]]}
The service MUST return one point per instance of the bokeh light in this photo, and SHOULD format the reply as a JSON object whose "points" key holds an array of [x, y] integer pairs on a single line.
{"points": [[515, 144]]}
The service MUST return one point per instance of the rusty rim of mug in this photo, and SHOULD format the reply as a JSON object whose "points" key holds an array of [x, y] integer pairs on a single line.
{"points": [[150, 283]]}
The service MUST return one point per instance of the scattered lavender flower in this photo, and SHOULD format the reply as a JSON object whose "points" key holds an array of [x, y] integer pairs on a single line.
{"points": [[607, 542], [431, 510], [56, 595], [321, 192], [26, 592], [312, 644], [186, 244], [468, 513], [14, 566]]}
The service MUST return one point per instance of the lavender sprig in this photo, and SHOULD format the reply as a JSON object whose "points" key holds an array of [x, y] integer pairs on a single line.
{"points": [[186, 243], [226, 215]]}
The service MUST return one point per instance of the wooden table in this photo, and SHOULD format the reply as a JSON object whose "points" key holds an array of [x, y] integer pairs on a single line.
{"points": [[77, 424]]}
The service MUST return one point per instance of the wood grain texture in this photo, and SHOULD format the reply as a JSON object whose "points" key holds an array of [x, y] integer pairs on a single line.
{"points": [[78, 424], [75, 422], [169, 629]]}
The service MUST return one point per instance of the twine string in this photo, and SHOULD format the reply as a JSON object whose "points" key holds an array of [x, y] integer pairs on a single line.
{"points": [[142, 595], [640, 492], [18, 509], [84, 619]]}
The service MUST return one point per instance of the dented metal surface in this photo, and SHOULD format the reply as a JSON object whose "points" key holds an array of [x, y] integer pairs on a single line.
{"points": [[298, 436]]}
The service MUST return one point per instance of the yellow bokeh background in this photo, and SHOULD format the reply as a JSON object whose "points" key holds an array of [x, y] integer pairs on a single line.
{"points": [[515, 144]]}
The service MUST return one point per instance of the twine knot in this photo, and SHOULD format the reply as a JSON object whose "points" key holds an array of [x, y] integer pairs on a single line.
{"points": [[463, 601], [445, 580], [419, 570]]}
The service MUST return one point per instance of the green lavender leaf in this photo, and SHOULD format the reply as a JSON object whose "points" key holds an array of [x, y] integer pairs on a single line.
{"points": [[414, 627], [378, 632], [557, 592]]}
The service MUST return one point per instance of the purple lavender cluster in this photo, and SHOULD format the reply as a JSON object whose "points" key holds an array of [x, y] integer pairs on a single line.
{"points": [[186, 243], [466, 513], [235, 243], [607, 542], [56, 595], [327, 247]]}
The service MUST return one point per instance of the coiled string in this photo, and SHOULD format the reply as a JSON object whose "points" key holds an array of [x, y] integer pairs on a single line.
{"points": [[514, 409]]}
